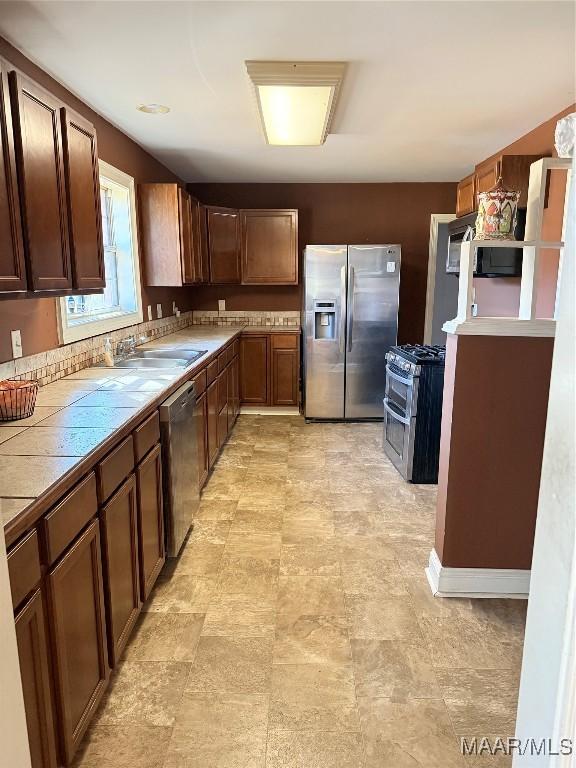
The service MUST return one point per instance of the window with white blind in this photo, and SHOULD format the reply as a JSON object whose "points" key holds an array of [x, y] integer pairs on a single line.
{"points": [[120, 304]]}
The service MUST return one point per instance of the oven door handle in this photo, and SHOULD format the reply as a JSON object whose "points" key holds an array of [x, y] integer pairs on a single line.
{"points": [[409, 382], [393, 412]]}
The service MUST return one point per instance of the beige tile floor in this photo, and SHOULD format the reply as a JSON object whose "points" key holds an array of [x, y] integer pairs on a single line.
{"points": [[297, 629]]}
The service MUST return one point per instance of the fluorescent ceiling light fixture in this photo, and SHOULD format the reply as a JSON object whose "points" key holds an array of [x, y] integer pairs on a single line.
{"points": [[153, 109], [296, 100]]}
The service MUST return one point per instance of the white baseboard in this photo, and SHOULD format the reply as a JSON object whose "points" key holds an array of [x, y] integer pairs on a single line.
{"points": [[476, 582], [265, 410]]}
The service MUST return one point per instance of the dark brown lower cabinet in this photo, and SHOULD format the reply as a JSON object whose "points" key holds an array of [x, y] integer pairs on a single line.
{"points": [[285, 365], [202, 431], [34, 671], [150, 520], [212, 399], [121, 563], [78, 630], [254, 369], [223, 406]]}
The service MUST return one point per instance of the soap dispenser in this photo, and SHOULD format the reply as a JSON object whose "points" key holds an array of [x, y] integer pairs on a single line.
{"points": [[108, 355]]}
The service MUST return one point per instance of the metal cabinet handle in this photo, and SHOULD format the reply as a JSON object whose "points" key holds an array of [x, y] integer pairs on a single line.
{"points": [[350, 307], [342, 307], [394, 413]]}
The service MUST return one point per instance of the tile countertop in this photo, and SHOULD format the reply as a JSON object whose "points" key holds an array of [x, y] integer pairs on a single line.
{"points": [[76, 415]]}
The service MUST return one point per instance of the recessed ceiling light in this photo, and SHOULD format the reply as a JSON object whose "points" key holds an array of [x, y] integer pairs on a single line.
{"points": [[154, 109], [296, 100]]}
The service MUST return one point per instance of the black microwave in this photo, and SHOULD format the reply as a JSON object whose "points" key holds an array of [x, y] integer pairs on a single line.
{"points": [[490, 262]]}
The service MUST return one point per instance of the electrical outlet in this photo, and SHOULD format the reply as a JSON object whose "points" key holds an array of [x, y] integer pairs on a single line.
{"points": [[16, 344], [474, 310], [221, 305], [158, 311], [149, 311]]}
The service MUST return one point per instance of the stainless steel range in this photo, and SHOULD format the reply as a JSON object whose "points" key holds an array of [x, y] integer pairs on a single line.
{"points": [[413, 410]]}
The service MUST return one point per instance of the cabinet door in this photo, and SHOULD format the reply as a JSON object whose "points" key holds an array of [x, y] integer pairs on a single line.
{"points": [[121, 566], [84, 212], [222, 407], [201, 265], [223, 245], [40, 160], [78, 636], [12, 266], [486, 176], [202, 432], [465, 196], [34, 671], [186, 237], [254, 369], [269, 246], [285, 377], [212, 398], [150, 520]]}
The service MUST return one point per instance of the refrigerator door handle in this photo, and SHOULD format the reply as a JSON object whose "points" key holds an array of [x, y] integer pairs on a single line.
{"points": [[350, 307], [342, 308]]}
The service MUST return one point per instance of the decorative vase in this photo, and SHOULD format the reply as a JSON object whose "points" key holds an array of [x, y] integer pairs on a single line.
{"points": [[565, 135], [496, 219]]}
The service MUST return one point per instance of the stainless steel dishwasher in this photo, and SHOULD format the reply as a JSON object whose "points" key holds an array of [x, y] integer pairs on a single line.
{"points": [[179, 432]]}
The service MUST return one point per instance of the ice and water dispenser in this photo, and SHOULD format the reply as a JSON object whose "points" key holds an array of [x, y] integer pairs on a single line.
{"points": [[324, 319]]}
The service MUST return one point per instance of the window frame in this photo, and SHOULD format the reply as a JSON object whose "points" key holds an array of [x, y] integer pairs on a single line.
{"points": [[97, 327]]}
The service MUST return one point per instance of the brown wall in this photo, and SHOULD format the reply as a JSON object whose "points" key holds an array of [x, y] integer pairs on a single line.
{"points": [[342, 213], [493, 424], [36, 318]]}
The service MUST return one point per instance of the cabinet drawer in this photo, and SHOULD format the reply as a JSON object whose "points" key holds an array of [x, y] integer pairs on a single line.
{"points": [[235, 348], [146, 436], [284, 341], [64, 522], [200, 383], [24, 568], [115, 468], [222, 361], [212, 372]]}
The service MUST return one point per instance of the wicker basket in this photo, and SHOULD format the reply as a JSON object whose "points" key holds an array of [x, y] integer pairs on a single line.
{"points": [[17, 399]]}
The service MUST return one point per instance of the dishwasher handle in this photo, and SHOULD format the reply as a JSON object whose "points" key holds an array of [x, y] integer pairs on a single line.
{"points": [[177, 401]]}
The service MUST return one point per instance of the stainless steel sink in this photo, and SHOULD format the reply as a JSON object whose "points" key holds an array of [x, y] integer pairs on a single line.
{"points": [[166, 357], [170, 353], [151, 362]]}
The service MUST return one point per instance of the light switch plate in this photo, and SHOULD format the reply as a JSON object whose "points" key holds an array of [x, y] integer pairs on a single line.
{"points": [[159, 310], [149, 311], [391, 266], [16, 344], [221, 305]]}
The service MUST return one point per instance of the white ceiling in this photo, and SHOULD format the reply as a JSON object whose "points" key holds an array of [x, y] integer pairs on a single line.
{"points": [[432, 87]]}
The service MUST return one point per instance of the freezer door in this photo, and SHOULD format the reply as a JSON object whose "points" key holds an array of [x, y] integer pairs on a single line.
{"points": [[372, 324], [324, 329]]}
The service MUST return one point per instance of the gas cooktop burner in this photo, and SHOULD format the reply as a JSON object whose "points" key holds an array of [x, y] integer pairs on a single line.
{"points": [[408, 356], [422, 352]]}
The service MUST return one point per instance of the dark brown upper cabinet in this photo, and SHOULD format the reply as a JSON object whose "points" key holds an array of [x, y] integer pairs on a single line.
{"points": [[269, 246], [465, 196], [40, 158], [170, 235], [12, 266], [515, 172], [201, 255], [223, 244], [84, 211]]}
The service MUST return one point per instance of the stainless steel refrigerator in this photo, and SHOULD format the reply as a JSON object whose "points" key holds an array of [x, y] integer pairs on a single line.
{"points": [[350, 322]]}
